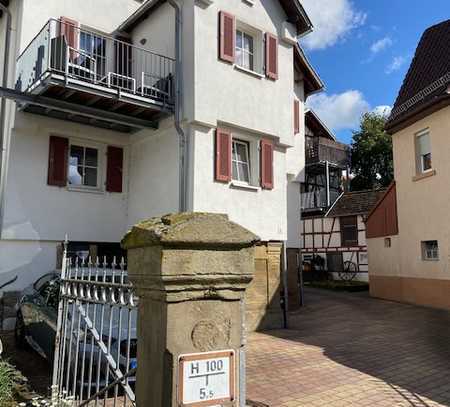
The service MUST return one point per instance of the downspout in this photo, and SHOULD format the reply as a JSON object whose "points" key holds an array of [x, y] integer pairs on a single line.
{"points": [[3, 107], [182, 140]]}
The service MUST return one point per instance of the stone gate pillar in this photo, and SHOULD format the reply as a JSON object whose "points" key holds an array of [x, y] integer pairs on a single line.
{"points": [[190, 271]]}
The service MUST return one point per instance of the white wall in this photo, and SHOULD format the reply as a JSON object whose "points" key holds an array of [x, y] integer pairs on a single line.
{"points": [[103, 15], [224, 94], [153, 174], [37, 211], [28, 260], [261, 211], [158, 30], [293, 213]]}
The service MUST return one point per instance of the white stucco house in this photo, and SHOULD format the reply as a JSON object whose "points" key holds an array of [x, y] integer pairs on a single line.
{"points": [[119, 110]]}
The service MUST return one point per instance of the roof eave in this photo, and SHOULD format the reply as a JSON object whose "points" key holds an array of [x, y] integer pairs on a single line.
{"points": [[140, 14], [305, 25], [414, 115], [306, 67], [321, 123]]}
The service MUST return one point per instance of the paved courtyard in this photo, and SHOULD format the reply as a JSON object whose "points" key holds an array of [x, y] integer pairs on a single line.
{"points": [[350, 350]]}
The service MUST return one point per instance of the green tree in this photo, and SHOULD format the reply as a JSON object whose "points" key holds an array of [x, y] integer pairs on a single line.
{"points": [[371, 151]]}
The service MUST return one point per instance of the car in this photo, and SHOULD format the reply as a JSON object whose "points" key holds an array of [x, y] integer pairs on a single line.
{"points": [[36, 324]]}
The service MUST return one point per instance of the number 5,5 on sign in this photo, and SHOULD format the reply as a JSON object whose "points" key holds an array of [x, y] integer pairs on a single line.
{"points": [[206, 379]]}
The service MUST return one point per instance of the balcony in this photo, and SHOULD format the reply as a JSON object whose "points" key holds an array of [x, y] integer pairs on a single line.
{"points": [[320, 150], [316, 201], [78, 75]]}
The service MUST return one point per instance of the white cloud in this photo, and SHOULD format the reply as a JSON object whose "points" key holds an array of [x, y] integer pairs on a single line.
{"points": [[332, 20], [395, 65], [340, 111], [381, 45], [384, 110]]}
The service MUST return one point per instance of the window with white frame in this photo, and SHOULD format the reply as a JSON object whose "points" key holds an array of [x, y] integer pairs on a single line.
{"points": [[245, 46], [241, 161], [249, 48], [84, 168], [430, 250], [423, 152]]}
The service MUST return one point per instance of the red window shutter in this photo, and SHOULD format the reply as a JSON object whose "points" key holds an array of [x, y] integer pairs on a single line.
{"points": [[114, 169], [296, 116], [70, 29], [271, 56], [57, 161], [223, 156], [227, 37], [266, 164]]}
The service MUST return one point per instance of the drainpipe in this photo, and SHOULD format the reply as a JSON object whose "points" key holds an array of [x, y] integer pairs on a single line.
{"points": [[3, 107], [183, 144]]}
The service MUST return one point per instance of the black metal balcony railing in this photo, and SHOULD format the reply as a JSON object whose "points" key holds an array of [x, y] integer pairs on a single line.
{"points": [[317, 200], [95, 61], [321, 150]]}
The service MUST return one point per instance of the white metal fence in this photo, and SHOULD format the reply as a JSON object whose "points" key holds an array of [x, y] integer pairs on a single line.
{"points": [[96, 343]]}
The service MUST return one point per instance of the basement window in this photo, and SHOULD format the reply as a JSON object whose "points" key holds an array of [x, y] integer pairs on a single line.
{"points": [[430, 250]]}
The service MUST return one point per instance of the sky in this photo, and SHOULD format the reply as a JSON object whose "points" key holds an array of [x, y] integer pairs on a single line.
{"points": [[362, 50]]}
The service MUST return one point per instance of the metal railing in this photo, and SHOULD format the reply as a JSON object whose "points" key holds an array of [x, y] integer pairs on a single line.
{"points": [[96, 342], [317, 199], [314, 200], [317, 151], [94, 59], [418, 97]]}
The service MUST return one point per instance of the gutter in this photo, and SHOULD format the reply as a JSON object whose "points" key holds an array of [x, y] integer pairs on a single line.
{"points": [[3, 152], [183, 144]]}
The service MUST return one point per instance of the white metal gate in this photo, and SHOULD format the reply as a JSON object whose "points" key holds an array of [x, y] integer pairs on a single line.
{"points": [[96, 343]]}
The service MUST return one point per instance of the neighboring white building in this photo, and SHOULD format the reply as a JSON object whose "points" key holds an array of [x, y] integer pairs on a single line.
{"points": [[92, 147]]}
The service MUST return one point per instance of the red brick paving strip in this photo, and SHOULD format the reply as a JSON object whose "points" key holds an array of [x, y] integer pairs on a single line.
{"points": [[350, 350]]}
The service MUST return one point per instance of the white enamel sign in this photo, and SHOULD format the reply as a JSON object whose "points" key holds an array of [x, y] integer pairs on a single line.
{"points": [[206, 379]]}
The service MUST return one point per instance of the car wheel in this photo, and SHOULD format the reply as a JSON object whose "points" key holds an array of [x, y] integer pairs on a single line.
{"points": [[19, 332]]}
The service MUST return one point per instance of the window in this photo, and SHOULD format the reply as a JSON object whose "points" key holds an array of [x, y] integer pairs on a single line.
{"points": [[83, 166], [430, 250], [387, 242], [423, 152], [241, 161], [244, 50], [349, 230]]}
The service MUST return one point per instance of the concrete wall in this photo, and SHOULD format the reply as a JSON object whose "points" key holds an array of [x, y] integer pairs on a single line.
{"points": [[400, 272]]}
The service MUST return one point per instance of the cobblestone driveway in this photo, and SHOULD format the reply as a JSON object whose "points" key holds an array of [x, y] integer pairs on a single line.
{"points": [[351, 350]]}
